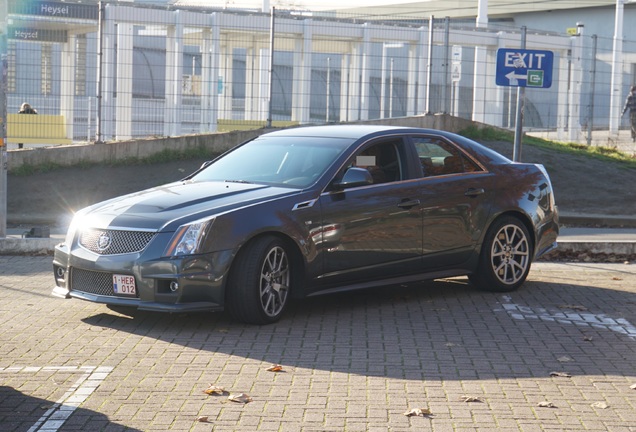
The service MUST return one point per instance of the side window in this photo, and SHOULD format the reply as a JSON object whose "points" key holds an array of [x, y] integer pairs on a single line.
{"points": [[382, 161], [440, 158]]}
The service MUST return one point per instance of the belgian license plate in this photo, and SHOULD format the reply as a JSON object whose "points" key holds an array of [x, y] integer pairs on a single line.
{"points": [[124, 284]]}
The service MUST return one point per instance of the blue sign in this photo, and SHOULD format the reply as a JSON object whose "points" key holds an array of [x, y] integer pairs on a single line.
{"points": [[524, 68]]}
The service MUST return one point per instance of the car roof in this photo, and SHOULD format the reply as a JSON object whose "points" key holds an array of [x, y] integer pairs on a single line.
{"points": [[348, 131]]}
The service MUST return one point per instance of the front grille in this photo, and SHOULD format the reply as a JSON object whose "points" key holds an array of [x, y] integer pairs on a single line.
{"points": [[114, 242], [91, 282]]}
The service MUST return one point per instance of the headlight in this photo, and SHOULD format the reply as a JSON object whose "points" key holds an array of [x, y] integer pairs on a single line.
{"points": [[187, 240], [78, 223]]}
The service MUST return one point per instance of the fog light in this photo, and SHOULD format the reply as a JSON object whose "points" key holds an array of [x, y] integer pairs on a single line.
{"points": [[59, 272], [174, 286]]}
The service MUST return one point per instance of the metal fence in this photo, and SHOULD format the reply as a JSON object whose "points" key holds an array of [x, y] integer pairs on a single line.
{"points": [[117, 72]]}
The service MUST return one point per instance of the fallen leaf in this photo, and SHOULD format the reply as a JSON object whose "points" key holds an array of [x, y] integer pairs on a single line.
{"points": [[617, 278], [223, 330], [579, 308], [240, 397], [203, 419], [560, 374], [465, 398], [214, 390], [587, 338], [565, 359], [418, 412], [601, 405], [275, 368], [546, 404]]}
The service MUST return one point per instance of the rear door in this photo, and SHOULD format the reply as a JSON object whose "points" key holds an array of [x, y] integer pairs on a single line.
{"points": [[455, 192]]}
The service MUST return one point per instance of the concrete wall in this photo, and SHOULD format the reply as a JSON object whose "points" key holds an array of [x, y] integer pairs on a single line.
{"points": [[218, 142]]}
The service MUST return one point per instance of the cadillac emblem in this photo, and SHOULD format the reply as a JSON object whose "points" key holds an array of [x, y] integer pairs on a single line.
{"points": [[103, 242]]}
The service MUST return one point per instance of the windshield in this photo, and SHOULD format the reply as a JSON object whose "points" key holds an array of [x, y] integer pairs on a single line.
{"points": [[290, 161]]}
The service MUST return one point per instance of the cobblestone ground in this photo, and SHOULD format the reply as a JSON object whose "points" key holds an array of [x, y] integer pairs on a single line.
{"points": [[354, 362]]}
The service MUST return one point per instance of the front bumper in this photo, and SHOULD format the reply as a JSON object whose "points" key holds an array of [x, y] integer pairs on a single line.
{"points": [[163, 284]]}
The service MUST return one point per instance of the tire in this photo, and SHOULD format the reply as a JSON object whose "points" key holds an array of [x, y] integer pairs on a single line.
{"points": [[506, 256], [260, 282]]}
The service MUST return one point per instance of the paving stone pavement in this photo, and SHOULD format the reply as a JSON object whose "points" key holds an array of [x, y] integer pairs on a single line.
{"points": [[351, 362]]}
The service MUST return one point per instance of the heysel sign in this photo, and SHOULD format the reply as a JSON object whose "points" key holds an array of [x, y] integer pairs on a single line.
{"points": [[524, 68]]}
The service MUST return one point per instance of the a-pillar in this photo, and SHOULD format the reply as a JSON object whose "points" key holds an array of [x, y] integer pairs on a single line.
{"points": [[123, 127], [210, 53], [301, 88], [174, 77], [67, 85]]}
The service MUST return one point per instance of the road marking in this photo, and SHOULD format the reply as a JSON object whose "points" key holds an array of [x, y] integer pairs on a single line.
{"points": [[581, 319], [53, 419]]}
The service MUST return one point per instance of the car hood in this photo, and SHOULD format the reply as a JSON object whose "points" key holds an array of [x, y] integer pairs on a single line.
{"points": [[164, 208]]}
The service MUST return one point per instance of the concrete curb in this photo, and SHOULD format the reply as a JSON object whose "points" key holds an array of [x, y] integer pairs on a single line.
{"points": [[28, 246], [598, 247]]}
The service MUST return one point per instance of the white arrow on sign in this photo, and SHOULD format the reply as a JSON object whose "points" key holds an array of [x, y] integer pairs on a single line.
{"points": [[512, 77]]}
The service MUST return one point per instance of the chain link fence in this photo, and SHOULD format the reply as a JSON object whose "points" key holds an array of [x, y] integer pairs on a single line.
{"points": [[123, 71]]}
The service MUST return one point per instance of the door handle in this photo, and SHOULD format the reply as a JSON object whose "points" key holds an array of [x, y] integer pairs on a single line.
{"points": [[473, 192], [408, 203]]}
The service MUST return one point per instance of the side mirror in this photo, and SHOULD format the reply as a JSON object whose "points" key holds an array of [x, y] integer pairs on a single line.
{"points": [[354, 177]]}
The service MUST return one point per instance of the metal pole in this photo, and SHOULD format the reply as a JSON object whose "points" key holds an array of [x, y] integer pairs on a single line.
{"points": [[328, 85], [4, 10], [590, 107], [446, 62], [516, 154], [100, 60], [429, 65], [383, 82], [391, 90], [271, 69]]}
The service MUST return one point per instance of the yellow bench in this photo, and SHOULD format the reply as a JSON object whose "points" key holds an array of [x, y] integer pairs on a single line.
{"points": [[36, 129]]}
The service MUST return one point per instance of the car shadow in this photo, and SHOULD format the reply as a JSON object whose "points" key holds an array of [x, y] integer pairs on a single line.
{"points": [[21, 412], [442, 329]]}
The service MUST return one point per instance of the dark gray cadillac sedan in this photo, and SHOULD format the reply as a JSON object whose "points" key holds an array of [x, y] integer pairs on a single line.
{"points": [[309, 211]]}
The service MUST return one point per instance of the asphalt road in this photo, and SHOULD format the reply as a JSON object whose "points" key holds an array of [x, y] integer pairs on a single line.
{"points": [[351, 362]]}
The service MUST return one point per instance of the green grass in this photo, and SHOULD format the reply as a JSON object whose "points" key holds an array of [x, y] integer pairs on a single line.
{"points": [[164, 156], [603, 153]]}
